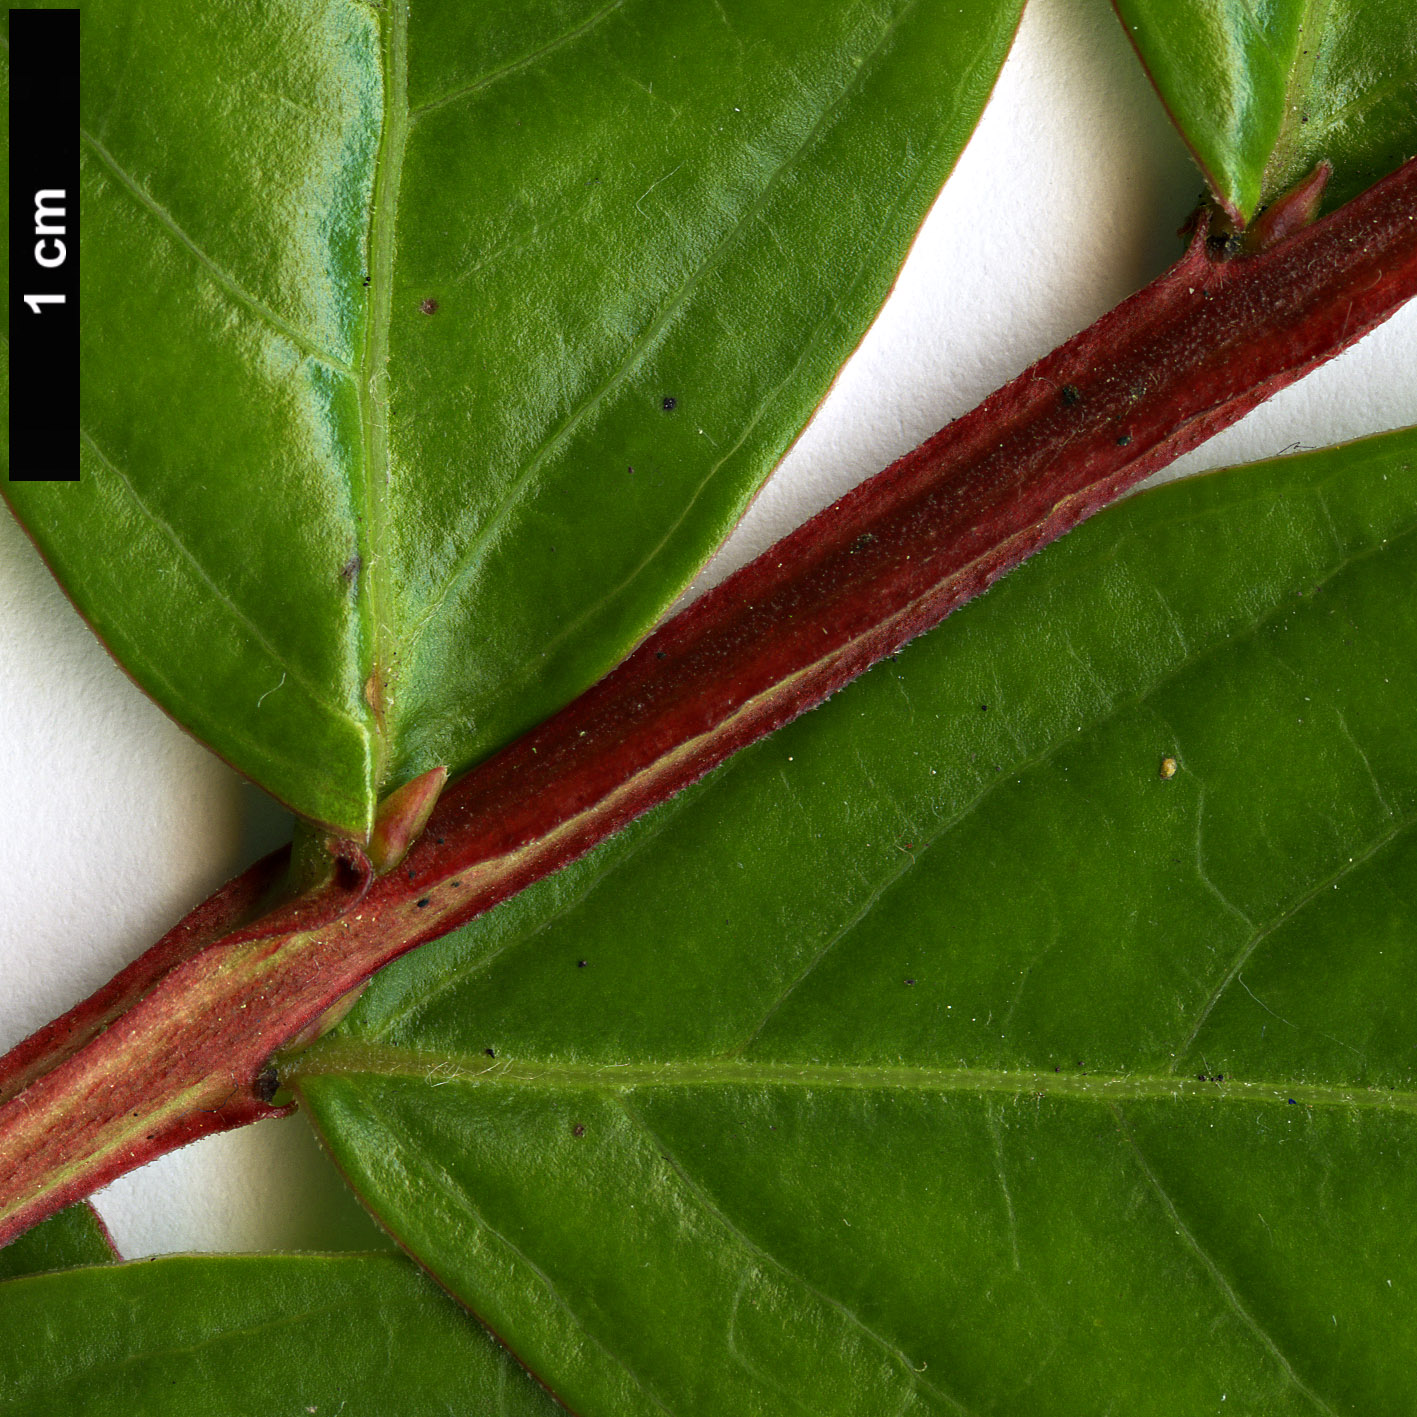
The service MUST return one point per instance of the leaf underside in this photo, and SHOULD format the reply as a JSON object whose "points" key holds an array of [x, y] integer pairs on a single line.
{"points": [[948, 1052], [428, 350], [1263, 92], [75, 1236], [249, 1336]]}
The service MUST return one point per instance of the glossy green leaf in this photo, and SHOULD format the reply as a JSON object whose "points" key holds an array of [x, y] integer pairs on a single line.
{"points": [[429, 349], [947, 1051], [1263, 92], [73, 1237], [252, 1336]]}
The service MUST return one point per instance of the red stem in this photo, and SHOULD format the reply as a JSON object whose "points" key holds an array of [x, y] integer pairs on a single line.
{"points": [[179, 1045]]}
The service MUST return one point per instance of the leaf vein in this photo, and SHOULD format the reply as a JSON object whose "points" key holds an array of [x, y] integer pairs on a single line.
{"points": [[1369, 98], [515, 66], [1308, 42], [809, 346], [1248, 949], [169, 533], [1038, 760], [715, 1213], [458, 1196], [1213, 1270], [224, 278], [343, 1058], [471, 556]]}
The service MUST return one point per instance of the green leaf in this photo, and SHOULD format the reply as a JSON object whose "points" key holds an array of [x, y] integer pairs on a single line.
{"points": [[252, 1334], [947, 1052], [615, 253], [73, 1237], [1263, 92]]}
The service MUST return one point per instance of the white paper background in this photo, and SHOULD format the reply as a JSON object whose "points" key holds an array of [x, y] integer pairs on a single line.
{"points": [[116, 823]]}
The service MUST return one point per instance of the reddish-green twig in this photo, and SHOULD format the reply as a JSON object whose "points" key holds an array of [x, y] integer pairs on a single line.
{"points": [[181, 1043]]}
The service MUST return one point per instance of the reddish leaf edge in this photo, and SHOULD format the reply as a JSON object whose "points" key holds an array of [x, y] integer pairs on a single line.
{"points": [[188, 1040]]}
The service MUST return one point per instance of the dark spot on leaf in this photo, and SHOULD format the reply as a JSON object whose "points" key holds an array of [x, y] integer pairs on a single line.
{"points": [[581, 963], [1123, 439], [429, 306], [862, 542], [661, 654], [491, 1052], [983, 708], [631, 471], [670, 403], [910, 981], [366, 282], [423, 902], [1292, 1102], [1070, 395], [267, 1083], [578, 1130], [349, 572]]}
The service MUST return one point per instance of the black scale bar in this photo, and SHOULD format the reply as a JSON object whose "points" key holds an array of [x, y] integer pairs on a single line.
{"points": [[44, 246]]}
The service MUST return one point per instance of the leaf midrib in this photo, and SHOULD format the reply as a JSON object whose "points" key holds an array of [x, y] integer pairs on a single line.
{"points": [[1297, 84], [341, 1058], [373, 383]]}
